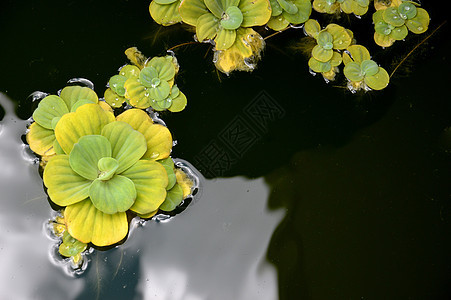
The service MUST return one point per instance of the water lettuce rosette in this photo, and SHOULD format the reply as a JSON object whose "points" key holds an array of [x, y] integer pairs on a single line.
{"points": [[219, 20], [107, 168], [153, 86]]}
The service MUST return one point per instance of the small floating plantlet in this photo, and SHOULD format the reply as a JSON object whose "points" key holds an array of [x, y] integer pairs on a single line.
{"points": [[149, 83], [361, 71], [286, 12], [326, 57], [228, 26], [392, 23]]}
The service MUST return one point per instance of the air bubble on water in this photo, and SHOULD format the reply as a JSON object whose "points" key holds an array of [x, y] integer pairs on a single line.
{"points": [[297, 26], [311, 72], [81, 81], [174, 143], [37, 96]]}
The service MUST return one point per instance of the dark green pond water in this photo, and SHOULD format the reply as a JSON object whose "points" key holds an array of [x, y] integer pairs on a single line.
{"points": [[307, 191]]}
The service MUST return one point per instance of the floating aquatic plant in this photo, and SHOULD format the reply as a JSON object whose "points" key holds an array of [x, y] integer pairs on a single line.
{"points": [[148, 84], [392, 23], [325, 55], [286, 12], [227, 24], [361, 71]]}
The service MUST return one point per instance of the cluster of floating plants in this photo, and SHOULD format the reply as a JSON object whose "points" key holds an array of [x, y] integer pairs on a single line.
{"points": [[335, 44], [100, 167], [393, 22], [228, 26]]}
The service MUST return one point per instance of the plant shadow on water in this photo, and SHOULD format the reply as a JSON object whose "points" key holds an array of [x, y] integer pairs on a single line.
{"points": [[363, 178]]}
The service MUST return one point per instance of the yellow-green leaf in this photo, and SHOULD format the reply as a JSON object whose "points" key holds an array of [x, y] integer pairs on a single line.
{"points": [[87, 120], [150, 180], [255, 12], [64, 186], [73, 94], [191, 10], [165, 14], [158, 137], [88, 224], [41, 139]]}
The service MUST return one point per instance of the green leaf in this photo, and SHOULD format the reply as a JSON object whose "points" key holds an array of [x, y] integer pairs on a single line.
{"points": [[86, 153], [41, 139], [318, 66], [89, 119], [383, 28], [312, 28], [392, 17], [399, 33], [158, 137], [178, 103], [80, 103], [353, 72], [130, 71], [357, 53], [113, 99], [379, 80], [107, 167], [322, 54], [276, 8], [116, 83], [114, 195], [168, 164], [164, 66], [207, 27], [224, 39], [73, 94], [173, 198], [191, 10], [164, 2], [278, 23], [336, 59], [88, 224], [161, 91], [341, 37], [255, 12], [420, 22], [288, 6], [149, 77], [325, 40], [70, 246], [216, 7], [233, 18], [64, 186], [150, 179], [137, 94], [407, 10], [369, 67], [127, 144], [167, 14], [49, 108], [302, 14]]}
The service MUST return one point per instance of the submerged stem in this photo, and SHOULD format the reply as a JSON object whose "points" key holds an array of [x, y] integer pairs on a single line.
{"points": [[418, 45]]}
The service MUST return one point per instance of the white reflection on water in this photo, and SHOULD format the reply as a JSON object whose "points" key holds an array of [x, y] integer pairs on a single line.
{"points": [[216, 249], [26, 271]]}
